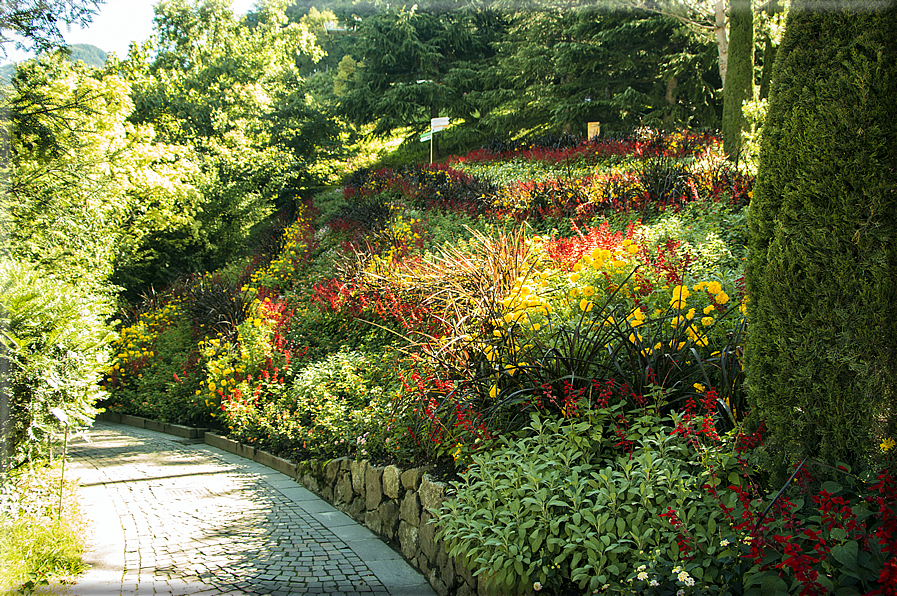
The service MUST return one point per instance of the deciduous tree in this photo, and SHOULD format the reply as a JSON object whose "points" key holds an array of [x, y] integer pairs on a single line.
{"points": [[34, 24]]}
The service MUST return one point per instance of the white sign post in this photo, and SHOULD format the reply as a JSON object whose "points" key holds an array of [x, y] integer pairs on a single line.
{"points": [[436, 124]]}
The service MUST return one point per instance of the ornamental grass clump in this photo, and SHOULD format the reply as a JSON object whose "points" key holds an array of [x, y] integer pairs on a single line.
{"points": [[529, 322]]}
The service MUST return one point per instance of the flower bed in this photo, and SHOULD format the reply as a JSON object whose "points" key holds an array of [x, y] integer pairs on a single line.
{"points": [[430, 315]]}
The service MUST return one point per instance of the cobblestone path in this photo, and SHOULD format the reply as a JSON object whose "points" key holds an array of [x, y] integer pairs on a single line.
{"points": [[170, 517]]}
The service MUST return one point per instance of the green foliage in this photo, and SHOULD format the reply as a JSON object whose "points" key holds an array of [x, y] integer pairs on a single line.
{"points": [[256, 131], [412, 65], [754, 117], [157, 367], [36, 23], [558, 69], [340, 405], [565, 502], [739, 83], [38, 543], [86, 186], [822, 229], [54, 348]]}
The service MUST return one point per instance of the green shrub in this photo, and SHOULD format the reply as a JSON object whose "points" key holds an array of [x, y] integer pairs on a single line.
{"points": [[343, 404], [53, 349], [822, 281], [617, 499], [157, 366]]}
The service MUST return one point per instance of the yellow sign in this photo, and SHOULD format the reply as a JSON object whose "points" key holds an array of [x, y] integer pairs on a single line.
{"points": [[594, 129]]}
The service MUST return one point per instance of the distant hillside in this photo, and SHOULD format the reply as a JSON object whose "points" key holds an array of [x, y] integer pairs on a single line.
{"points": [[88, 54]]}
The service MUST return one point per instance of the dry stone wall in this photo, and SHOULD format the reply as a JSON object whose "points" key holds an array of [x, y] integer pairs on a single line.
{"points": [[396, 505]]}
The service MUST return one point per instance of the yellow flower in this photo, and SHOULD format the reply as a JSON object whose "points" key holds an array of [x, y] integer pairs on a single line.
{"points": [[680, 293], [699, 388], [588, 291], [888, 444], [709, 309], [493, 391], [585, 305], [707, 321], [722, 298], [457, 452]]}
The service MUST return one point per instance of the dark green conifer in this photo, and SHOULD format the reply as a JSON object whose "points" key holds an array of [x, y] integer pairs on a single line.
{"points": [[821, 359]]}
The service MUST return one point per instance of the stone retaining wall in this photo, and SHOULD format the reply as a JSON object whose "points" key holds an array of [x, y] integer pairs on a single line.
{"points": [[396, 505]]}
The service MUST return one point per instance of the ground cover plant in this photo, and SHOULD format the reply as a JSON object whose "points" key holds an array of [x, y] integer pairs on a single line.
{"points": [[39, 544], [588, 327]]}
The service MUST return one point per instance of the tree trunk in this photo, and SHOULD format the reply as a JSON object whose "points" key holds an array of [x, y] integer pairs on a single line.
{"points": [[722, 42], [739, 83]]}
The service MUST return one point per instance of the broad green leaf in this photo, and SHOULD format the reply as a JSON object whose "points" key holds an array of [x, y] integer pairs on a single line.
{"points": [[831, 487], [846, 554]]}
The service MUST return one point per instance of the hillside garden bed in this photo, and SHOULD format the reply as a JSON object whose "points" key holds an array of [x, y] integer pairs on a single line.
{"points": [[559, 329]]}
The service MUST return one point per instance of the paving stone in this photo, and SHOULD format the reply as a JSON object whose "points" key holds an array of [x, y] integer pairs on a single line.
{"points": [[195, 520]]}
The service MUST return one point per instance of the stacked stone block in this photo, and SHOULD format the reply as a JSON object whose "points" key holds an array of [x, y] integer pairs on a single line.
{"points": [[397, 505]]}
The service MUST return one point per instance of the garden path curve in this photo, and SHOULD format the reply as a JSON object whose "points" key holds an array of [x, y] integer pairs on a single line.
{"points": [[170, 516]]}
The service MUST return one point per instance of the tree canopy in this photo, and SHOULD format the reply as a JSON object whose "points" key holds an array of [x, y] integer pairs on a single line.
{"points": [[34, 24]]}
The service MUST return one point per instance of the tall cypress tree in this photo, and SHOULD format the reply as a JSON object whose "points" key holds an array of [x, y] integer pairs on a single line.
{"points": [[739, 83], [821, 357]]}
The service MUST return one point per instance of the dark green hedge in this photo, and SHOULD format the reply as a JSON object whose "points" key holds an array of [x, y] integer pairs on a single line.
{"points": [[822, 278]]}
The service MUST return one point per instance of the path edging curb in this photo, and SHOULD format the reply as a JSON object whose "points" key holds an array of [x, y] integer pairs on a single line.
{"points": [[178, 430]]}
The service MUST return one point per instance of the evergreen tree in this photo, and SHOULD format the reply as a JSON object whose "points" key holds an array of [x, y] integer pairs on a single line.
{"points": [[413, 65], [821, 361], [560, 69]]}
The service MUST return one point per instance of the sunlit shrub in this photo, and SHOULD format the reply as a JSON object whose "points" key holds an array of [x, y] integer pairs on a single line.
{"points": [[341, 405], [54, 344]]}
